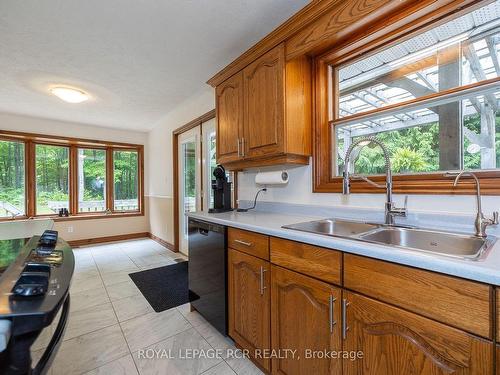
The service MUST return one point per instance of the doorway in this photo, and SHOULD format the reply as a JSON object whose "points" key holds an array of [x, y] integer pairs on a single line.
{"points": [[194, 154], [188, 180]]}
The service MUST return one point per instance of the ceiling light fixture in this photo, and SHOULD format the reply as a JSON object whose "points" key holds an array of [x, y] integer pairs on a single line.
{"points": [[69, 94]]}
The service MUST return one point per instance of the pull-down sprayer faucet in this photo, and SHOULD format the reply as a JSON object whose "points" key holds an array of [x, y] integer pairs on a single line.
{"points": [[390, 210]]}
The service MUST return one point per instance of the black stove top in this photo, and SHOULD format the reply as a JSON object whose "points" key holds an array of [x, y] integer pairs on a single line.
{"points": [[35, 276], [9, 250]]}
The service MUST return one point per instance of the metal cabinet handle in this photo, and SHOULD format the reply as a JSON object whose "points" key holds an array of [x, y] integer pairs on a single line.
{"points": [[243, 147], [331, 301], [262, 287], [345, 327], [249, 244], [239, 150]]}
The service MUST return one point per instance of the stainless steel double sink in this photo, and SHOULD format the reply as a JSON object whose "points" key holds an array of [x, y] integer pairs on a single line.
{"points": [[449, 244]]}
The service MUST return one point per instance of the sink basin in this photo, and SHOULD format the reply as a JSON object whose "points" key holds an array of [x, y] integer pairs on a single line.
{"points": [[334, 227], [442, 243], [454, 245]]}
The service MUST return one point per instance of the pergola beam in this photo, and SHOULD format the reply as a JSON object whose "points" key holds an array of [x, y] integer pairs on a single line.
{"points": [[477, 70], [493, 53], [426, 81]]}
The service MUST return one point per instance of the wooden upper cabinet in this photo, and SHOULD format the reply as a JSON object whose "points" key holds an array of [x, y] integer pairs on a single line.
{"points": [[264, 89], [229, 97], [305, 317], [394, 342], [264, 113], [249, 304]]}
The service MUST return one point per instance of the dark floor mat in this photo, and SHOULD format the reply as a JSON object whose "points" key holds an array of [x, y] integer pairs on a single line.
{"points": [[164, 287]]}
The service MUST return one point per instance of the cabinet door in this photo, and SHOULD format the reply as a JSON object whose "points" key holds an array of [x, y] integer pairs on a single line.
{"points": [[498, 360], [249, 304], [394, 342], [305, 316], [229, 118], [264, 104]]}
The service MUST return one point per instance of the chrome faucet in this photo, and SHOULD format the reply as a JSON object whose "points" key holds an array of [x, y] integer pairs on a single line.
{"points": [[481, 223], [390, 210]]}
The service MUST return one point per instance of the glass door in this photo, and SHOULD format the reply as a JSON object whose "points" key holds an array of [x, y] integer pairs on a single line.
{"points": [[189, 181], [209, 162]]}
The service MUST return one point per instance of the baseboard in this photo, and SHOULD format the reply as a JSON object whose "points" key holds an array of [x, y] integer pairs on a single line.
{"points": [[162, 242], [120, 237]]}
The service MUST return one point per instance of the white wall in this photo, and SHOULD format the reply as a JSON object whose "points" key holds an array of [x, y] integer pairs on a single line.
{"points": [[299, 191], [84, 229], [160, 160]]}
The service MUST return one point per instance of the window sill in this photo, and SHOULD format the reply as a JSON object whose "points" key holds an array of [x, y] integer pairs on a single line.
{"points": [[96, 216]]}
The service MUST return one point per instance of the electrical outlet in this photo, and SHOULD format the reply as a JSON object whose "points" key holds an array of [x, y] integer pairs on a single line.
{"points": [[70, 229]]}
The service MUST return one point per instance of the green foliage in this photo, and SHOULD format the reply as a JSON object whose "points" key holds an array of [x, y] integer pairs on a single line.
{"points": [[411, 150], [189, 169], [417, 149], [126, 176], [94, 174], [12, 174], [408, 160], [52, 175]]}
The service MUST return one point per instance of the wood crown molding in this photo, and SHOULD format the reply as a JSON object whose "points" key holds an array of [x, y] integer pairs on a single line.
{"points": [[323, 24], [299, 20]]}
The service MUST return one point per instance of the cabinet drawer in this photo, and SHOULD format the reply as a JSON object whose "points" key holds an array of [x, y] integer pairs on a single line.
{"points": [[318, 262], [456, 302], [249, 242]]}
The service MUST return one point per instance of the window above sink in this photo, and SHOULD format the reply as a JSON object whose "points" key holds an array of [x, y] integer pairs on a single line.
{"points": [[432, 96]]}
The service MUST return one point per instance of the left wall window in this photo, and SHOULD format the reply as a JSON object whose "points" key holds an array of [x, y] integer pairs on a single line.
{"points": [[52, 178], [12, 174], [41, 174]]}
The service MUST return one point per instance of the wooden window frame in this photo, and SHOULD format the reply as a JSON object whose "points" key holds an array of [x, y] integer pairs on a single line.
{"points": [[30, 141], [357, 46]]}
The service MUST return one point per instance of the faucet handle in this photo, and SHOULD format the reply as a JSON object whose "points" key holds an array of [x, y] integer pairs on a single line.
{"points": [[396, 211], [495, 221]]}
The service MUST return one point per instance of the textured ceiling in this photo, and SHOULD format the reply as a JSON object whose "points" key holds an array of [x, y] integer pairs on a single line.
{"points": [[138, 59]]}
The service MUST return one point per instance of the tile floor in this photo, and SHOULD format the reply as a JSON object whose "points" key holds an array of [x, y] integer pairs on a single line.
{"points": [[110, 322]]}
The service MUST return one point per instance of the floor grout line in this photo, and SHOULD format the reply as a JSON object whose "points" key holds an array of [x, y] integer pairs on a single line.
{"points": [[99, 273]]}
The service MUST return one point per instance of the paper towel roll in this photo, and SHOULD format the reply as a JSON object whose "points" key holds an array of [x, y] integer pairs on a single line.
{"points": [[272, 178]]}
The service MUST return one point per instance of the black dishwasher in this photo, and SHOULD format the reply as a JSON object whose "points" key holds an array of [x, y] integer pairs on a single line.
{"points": [[207, 269]]}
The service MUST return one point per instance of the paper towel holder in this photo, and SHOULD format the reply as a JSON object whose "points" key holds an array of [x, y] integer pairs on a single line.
{"points": [[272, 178]]}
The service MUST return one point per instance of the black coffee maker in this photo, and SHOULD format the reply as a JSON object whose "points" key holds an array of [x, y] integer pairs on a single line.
{"points": [[222, 191]]}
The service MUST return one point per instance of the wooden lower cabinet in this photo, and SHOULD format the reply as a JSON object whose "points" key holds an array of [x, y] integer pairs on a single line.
{"points": [[394, 341], [249, 304], [498, 360], [305, 315]]}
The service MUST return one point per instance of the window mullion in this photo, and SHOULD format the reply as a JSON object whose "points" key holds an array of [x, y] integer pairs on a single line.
{"points": [[73, 180], [110, 182], [30, 184]]}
